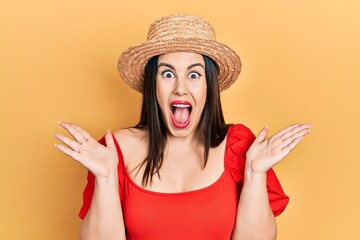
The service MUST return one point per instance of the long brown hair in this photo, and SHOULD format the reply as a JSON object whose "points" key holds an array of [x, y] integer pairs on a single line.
{"points": [[211, 129]]}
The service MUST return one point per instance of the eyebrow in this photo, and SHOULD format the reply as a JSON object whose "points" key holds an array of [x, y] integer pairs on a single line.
{"points": [[196, 64], [189, 67], [166, 65]]}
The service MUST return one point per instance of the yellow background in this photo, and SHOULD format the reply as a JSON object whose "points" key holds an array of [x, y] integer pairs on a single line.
{"points": [[300, 64]]}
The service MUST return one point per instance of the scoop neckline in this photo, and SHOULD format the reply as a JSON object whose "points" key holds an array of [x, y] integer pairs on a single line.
{"points": [[190, 192]]}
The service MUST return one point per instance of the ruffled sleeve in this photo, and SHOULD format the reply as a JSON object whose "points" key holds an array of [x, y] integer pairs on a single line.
{"points": [[239, 139], [90, 186]]}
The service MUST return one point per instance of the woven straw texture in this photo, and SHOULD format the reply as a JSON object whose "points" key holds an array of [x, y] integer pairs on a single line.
{"points": [[179, 33]]}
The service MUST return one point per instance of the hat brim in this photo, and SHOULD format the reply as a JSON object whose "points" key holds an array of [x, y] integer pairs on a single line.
{"points": [[132, 61]]}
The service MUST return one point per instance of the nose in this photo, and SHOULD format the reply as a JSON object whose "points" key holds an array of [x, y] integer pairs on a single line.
{"points": [[180, 87]]}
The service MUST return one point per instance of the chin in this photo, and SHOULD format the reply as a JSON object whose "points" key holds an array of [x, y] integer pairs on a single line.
{"points": [[182, 131]]}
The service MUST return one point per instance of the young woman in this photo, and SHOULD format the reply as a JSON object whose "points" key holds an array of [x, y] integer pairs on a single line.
{"points": [[181, 172]]}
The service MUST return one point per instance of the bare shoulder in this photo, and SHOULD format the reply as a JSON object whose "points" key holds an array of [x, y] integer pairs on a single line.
{"points": [[129, 135], [133, 143]]}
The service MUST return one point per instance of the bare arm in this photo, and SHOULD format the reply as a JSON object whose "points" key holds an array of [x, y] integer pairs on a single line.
{"points": [[104, 219], [255, 219]]}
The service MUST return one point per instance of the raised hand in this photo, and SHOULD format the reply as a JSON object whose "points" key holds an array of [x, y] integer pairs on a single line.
{"points": [[100, 160], [265, 152]]}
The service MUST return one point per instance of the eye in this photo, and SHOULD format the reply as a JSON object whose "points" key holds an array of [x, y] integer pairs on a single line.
{"points": [[194, 75], [167, 74]]}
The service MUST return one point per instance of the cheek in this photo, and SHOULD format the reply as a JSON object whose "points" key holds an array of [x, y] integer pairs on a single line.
{"points": [[158, 90], [161, 97], [202, 93]]}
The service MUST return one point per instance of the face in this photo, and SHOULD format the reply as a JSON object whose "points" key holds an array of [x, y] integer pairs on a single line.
{"points": [[181, 91]]}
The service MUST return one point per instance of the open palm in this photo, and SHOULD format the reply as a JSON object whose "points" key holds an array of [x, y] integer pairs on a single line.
{"points": [[265, 152], [97, 158]]}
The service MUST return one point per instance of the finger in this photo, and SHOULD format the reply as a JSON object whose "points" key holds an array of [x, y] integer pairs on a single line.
{"points": [[296, 130], [73, 154], [262, 135], [71, 143], [285, 130], [86, 135], [70, 127], [292, 144], [300, 134], [109, 139]]}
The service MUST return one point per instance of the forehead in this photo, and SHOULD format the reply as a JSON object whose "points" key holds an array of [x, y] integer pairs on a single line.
{"points": [[181, 58]]}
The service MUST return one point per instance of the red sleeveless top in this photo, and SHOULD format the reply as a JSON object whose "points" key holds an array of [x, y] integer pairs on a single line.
{"points": [[207, 213]]}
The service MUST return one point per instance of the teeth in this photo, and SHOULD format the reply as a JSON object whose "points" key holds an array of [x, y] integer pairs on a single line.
{"points": [[181, 105]]}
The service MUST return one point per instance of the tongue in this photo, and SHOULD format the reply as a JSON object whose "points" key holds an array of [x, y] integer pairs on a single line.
{"points": [[181, 114]]}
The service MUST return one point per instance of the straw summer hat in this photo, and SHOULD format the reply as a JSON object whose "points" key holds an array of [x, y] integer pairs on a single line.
{"points": [[179, 33]]}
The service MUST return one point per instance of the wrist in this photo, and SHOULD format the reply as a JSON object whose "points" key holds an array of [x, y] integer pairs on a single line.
{"points": [[250, 175], [106, 179]]}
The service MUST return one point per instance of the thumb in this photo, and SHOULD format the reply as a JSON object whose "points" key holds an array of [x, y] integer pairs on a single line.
{"points": [[262, 135], [109, 139]]}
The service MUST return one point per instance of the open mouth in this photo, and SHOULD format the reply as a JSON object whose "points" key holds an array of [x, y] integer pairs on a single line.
{"points": [[180, 113]]}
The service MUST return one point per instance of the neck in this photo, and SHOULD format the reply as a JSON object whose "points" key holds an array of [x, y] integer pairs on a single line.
{"points": [[186, 141], [180, 148]]}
